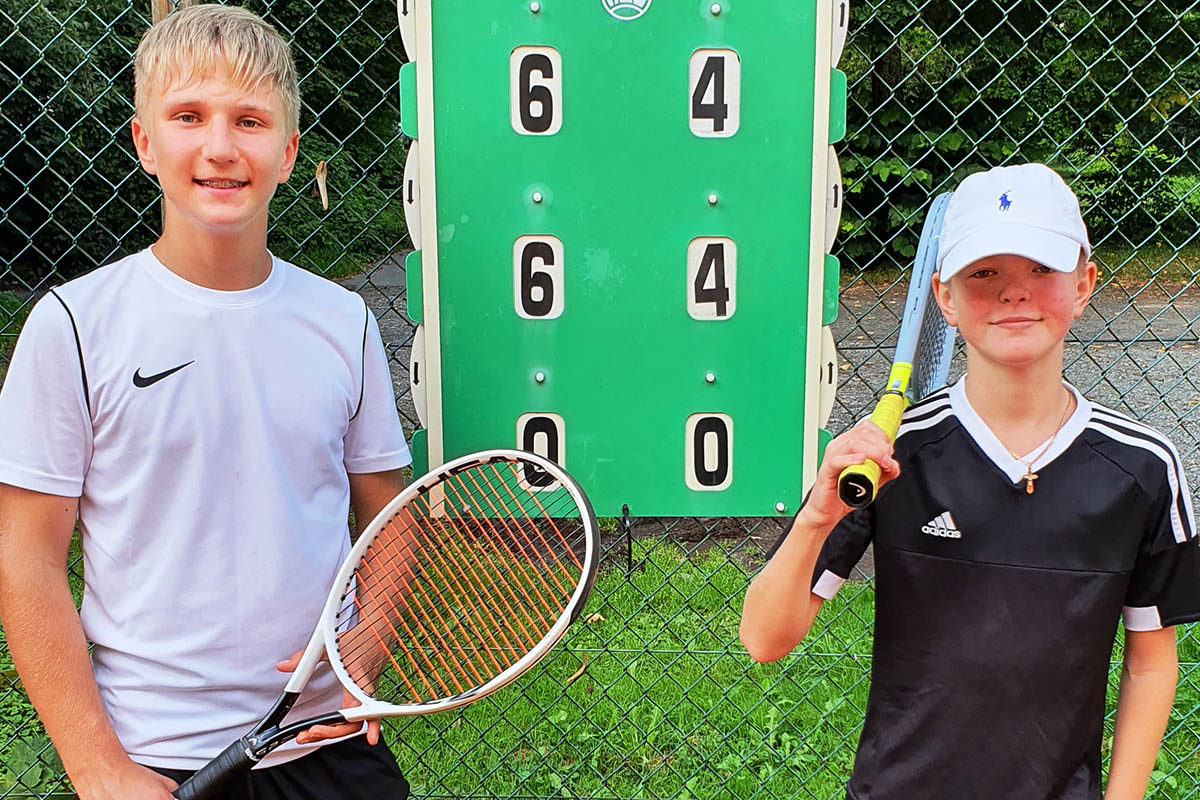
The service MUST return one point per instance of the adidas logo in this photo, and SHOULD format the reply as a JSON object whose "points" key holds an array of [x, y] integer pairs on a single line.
{"points": [[942, 525]]}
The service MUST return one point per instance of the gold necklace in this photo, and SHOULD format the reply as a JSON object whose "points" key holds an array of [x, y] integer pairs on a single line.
{"points": [[1030, 476]]}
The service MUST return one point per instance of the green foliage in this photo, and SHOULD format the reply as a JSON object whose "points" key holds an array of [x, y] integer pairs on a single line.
{"points": [[938, 91], [69, 187], [72, 195], [28, 761], [365, 217], [349, 57], [1144, 191], [935, 93], [31, 764]]}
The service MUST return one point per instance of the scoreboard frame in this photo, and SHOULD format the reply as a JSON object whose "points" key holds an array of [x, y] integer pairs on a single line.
{"points": [[819, 359]]}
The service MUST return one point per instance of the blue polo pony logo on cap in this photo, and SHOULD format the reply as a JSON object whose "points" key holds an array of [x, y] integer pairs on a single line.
{"points": [[1005, 203]]}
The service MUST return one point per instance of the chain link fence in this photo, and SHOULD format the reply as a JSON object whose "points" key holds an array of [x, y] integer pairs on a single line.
{"points": [[653, 697]]}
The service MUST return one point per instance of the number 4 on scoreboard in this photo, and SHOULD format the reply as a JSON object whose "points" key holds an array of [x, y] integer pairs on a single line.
{"points": [[711, 278], [715, 93]]}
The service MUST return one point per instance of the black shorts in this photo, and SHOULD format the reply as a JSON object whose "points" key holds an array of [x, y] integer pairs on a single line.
{"points": [[348, 770]]}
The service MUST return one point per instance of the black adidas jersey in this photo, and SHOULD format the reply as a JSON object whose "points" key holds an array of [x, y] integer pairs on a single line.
{"points": [[996, 609]]}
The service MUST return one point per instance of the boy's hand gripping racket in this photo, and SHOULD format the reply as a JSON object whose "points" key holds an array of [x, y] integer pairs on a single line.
{"points": [[922, 358], [463, 582]]}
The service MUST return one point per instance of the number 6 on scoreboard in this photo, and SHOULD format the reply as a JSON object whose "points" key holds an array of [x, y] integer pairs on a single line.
{"points": [[538, 277], [535, 81]]}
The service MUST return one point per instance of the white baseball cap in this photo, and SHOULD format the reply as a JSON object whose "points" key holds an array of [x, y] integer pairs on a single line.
{"points": [[1024, 210]]}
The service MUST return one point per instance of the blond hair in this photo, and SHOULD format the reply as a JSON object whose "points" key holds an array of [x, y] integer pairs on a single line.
{"points": [[197, 41]]}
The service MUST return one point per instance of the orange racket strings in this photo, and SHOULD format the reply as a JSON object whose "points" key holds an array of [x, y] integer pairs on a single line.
{"points": [[482, 575], [460, 584], [523, 632], [439, 570]]}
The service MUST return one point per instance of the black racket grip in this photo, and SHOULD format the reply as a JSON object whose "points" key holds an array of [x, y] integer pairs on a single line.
{"points": [[856, 490], [212, 778]]}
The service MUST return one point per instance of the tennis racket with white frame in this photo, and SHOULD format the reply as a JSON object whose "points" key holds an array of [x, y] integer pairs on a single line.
{"points": [[922, 360], [461, 583]]}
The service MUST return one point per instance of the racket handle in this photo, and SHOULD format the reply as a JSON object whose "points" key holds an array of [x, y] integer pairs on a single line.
{"points": [[209, 783], [858, 483]]}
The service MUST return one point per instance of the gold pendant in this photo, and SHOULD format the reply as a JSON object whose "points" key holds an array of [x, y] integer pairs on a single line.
{"points": [[1029, 479]]}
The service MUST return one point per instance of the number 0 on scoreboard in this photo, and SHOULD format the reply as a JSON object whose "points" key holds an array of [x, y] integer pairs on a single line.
{"points": [[708, 448]]}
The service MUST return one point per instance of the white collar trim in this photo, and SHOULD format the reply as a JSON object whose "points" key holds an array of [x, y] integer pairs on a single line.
{"points": [[997, 453]]}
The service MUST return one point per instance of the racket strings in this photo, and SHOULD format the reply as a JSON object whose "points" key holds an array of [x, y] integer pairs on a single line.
{"points": [[492, 529], [460, 584], [393, 594], [521, 528], [933, 352], [431, 624], [478, 586], [532, 597], [443, 631], [534, 604], [504, 642], [935, 340]]}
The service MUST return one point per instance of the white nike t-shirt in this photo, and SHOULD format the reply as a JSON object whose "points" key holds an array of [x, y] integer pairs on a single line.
{"points": [[208, 435]]}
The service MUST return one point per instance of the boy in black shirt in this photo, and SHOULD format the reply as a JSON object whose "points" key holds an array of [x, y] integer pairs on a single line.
{"points": [[1020, 524]]}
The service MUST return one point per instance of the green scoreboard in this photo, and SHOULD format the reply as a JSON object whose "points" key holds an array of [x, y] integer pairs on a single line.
{"points": [[622, 212]]}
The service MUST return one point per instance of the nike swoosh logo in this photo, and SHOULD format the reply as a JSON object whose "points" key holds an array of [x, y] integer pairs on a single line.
{"points": [[142, 382]]}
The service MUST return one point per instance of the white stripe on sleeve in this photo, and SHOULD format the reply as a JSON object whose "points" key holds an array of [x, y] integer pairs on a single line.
{"points": [[1142, 618], [827, 585]]}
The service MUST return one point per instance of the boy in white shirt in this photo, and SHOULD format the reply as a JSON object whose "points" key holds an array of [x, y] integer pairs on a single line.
{"points": [[210, 413]]}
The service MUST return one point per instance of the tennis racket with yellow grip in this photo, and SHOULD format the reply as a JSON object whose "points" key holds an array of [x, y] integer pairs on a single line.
{"points": [[922, 359]]}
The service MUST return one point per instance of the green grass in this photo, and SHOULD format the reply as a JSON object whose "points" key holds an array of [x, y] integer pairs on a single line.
{"points": [[12, 317], [668, 705], [678, 710], [662, 709]]}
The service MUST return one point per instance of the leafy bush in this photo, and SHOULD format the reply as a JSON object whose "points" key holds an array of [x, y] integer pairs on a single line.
{"points": [[937, 91], [72, 196], [1105, 92], [365, 219]]}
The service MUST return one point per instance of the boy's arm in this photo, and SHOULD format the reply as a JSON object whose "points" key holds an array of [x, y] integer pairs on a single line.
{"points": [[779, 610], [369, 493], [780, 607], [1148, 679], [50, 652]]}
